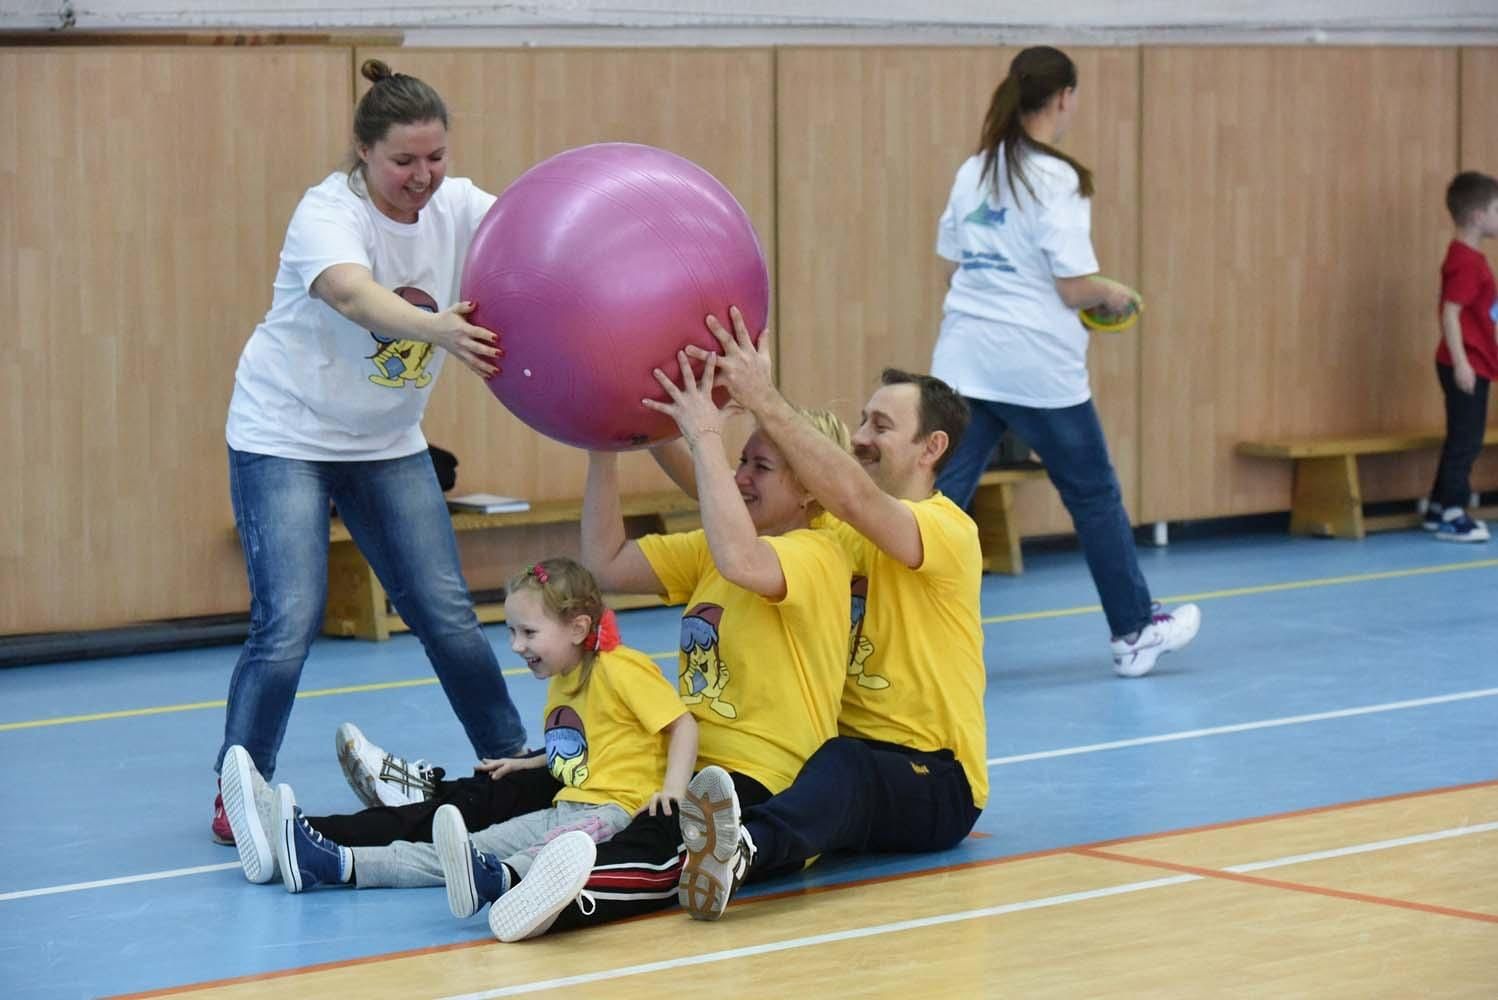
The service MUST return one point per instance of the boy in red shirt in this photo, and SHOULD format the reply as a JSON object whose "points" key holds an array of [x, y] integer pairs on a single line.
{"points": [[1467, 359]]}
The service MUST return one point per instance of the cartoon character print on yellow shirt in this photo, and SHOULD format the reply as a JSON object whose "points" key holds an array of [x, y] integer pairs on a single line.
{"points": [[402, 361], [704, 675], [604, 739], [860, 646], [566, 746]]}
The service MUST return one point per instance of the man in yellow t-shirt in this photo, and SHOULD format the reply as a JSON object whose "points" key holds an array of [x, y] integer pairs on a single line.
{"points": [[908, 770]]}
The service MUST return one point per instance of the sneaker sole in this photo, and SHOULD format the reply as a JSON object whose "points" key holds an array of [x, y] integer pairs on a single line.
{"points": [[450, 837], [255, 857], [710, 831], [556, 878], [1449, 537], [284, 816], [344, 742]]}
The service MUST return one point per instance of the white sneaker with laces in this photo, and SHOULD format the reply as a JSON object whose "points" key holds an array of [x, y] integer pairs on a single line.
{"points": [[250, 805], [556, 878], [718, 848], [380, 778], [1167, 632]]}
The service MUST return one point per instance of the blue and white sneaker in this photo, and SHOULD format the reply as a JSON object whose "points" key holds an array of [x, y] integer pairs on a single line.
{"points": [[474, 879], [1458, 526], [249, 805], [307, 859]]}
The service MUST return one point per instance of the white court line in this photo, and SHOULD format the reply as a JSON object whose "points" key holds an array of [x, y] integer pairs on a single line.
{"points": [[1189, 734], [1378, 845], [809, 942], [1243, 727], [790, 944], [122, 880]]}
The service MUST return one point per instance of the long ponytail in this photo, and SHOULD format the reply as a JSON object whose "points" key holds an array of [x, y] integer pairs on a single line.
{"points": [[1035, 76]]}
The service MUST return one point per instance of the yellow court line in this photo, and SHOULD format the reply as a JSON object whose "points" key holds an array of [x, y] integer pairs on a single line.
{"points": [[192, 706], [1268, 588]]}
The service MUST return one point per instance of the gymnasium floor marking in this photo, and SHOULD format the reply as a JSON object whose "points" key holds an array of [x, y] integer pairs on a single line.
{"points": [[1187, 734], [1099, 851], [1327, 581]]}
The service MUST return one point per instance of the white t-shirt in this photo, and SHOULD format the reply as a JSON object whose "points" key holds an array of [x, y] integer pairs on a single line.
{"points": [[313, 385], [1005, 333]]}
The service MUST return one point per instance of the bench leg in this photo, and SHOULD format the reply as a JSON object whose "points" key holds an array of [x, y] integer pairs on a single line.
{"points": [[1327, 499], [993, 509], [356, 600]]}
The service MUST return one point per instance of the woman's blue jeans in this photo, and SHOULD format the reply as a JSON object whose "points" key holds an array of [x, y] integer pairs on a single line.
{"points": [[395, 512], [1070, 442]]}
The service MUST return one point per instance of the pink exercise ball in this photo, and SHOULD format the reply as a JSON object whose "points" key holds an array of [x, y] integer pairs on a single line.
{"points": [[596, 266]]}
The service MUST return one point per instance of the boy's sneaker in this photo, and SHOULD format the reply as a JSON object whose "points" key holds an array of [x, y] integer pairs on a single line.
{"points": [[555, 880], [474, 879], [1167, 632], [307, 859], [380, 778], [1458, 526], [250, 806], [1430, 517], [222, 832], [719, 851]]}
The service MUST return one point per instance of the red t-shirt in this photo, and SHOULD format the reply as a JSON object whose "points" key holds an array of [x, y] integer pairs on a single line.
{"points": [[1467, 280]]}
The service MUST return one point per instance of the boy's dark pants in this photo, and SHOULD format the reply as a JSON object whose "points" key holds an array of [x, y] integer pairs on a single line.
{"points": [[1466, 422]]}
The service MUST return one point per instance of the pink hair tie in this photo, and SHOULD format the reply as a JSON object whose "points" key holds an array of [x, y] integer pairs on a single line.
{"points": [[539, 572], [606, 634]]}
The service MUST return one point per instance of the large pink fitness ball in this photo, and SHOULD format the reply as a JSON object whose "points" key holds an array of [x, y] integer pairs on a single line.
{"points": [[596, 266]]}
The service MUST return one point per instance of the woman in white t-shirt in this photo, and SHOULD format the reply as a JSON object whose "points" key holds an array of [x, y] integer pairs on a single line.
{"points": [[1017, 228], [327, 406]]}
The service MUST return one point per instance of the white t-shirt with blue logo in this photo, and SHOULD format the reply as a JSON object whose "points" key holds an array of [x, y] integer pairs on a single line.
{"points": [[311, 384], [1005, 333]]}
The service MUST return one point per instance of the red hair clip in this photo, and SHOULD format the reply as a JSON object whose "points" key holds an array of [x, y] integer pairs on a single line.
{"points": [[606, 633], [539, 572]]}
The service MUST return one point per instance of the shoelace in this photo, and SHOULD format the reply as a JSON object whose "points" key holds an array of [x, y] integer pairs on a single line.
{"points": [[415, 775], [586, 903]]}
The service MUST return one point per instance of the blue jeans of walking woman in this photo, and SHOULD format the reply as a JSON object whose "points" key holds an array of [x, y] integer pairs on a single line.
{"points": [[395, 512], [1069, 440]]}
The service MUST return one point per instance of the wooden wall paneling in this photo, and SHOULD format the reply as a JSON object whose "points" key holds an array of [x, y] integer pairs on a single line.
{"points": [[512, 108], [869, 140], [147, 192], [1478, 150], [1292, 223]]}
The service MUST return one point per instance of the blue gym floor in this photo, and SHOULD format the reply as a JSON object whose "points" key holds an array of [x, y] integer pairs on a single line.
{"points": [[1325, 672]]}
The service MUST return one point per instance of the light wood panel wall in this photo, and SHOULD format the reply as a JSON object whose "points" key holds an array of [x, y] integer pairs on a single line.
{"points": [[144, 194], [510, 109], [1293, 221], [868, 143]]}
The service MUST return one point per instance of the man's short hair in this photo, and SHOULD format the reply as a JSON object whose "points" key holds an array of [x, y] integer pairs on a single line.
{"points": [[940, 409]]}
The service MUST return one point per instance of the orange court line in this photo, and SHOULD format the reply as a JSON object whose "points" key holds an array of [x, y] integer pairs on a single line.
{"points": [[901, 876], [1274, 883]]}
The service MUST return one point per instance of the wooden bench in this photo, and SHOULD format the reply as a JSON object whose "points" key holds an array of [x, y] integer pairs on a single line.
{"points": [[357, 605], [993, 509], [1327, 499]]}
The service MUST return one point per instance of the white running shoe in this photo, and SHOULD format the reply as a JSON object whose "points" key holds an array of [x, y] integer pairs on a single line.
{"points": [[555, 880], [718, 850], [1167, 632], [250, 804], [380, 778]]}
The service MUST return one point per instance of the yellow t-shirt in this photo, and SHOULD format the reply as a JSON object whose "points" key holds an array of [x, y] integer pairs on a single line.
{"points": [[915, 667], [604, 742], [762, 678]]}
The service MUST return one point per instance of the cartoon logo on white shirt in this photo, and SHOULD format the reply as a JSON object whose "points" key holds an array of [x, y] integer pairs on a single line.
{"points": [[985, 216], [400, 362]]}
